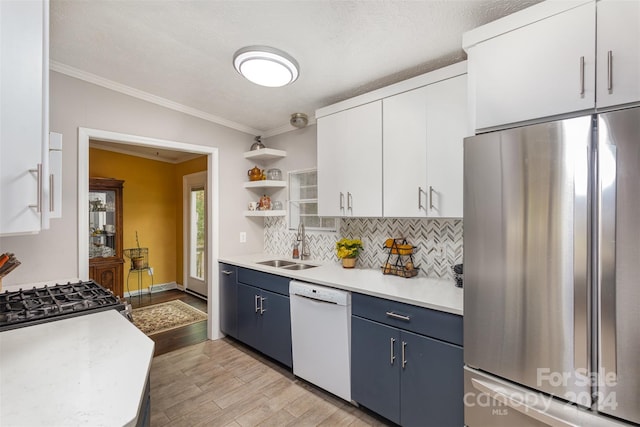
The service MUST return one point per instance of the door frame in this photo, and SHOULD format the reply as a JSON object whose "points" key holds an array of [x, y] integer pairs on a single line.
{"points": [[213, 171], [187, 181]]}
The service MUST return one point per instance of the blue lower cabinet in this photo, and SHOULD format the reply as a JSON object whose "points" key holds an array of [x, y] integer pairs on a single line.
{"points": [[375, 377], [249, 319], [431, 392], [276, 327], [264, 322], [228, 299], [411, 379]]}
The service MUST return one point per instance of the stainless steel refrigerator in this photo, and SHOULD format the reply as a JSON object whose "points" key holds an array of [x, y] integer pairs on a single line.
{"points": [[552, 273]]}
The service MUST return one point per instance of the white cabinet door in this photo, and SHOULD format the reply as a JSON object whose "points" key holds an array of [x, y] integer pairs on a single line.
{"points": [[618, 52], [446, 129], [350, 162], [535, 71], [331, 140], [405, 154], [23, 115]]}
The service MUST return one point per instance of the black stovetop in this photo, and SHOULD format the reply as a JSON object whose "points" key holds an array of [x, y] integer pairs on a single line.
{"points": [[39, 305]]}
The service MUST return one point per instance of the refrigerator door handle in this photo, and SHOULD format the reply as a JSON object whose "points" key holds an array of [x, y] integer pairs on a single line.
{"points": [[581, 255], [606, 284], [518, 401]]}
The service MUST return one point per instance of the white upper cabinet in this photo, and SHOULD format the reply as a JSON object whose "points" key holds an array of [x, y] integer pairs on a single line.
{"points": [[555, 58], [397, 151], [24, 127], [422, 150], [405, 154], [618, 52], [446, 130], [528, 71], [350, 162]]}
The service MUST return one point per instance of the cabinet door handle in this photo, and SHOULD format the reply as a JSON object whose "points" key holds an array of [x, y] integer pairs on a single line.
{"points": [[256, 299], [393, 353], [341, 200], [38, 172], [52, 198], [582, 75], [262, 310], [610, 71], [349, 201], [404, 360], [227, 272], [397, 316], [420, 198], [431, 197]]}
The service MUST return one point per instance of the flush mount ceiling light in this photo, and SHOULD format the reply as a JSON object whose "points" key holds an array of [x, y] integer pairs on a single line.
{"points": [[299, 120], [266, 66]]}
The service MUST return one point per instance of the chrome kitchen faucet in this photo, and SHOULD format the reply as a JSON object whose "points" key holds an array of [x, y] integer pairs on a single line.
{"points": [[302, 238]]}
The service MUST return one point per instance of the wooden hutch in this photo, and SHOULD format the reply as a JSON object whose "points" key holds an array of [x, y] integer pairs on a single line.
{"points": [[105, 233]]}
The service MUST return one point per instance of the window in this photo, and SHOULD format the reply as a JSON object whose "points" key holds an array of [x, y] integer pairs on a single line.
{"points": [[303, 202]]}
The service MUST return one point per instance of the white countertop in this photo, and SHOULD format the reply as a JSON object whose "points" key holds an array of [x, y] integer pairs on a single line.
{"points": [[87, 370], [436, 294]]}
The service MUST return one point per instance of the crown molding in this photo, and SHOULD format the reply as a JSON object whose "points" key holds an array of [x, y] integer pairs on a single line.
{"points": [[145, 96]]}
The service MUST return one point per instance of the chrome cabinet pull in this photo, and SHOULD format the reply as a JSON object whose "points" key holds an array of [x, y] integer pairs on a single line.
{"points": [[610, 71], [349, 201], [227, 272], [38, 172], [397, 316], [393, 355], [404, 360], [256, 297], [262, 310], [582, 75], [52, 199], [341, 200], [431, 197], [420, 198]]}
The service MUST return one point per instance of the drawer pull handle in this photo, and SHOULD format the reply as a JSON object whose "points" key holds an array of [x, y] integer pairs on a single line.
{"points": [[393, 355], [398, 316], [227, 272]]}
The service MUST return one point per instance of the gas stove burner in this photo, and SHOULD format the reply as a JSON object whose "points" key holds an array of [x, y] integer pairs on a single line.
{"points": [[39, 305]]}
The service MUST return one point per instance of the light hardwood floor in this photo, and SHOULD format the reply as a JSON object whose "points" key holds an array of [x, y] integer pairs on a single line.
{"points": [[223, 383]]}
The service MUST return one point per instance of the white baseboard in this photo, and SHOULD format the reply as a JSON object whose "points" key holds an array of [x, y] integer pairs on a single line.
{"points": [[156, 288]]}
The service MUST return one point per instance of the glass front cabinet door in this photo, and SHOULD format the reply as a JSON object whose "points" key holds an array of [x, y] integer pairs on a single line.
{"points": [[105, 233]]}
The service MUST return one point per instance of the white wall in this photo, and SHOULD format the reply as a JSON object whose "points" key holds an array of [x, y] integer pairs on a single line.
{"points": [[52, 254]]}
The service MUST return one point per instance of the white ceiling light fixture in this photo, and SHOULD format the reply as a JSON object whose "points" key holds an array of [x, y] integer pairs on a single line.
{"points": [[266, 66]]}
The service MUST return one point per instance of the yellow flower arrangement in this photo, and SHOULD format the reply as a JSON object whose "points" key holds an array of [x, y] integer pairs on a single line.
{"points": [[348, 248]]}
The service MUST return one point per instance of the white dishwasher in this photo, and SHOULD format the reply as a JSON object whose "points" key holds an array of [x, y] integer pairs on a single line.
{"points": [[321, 336]]}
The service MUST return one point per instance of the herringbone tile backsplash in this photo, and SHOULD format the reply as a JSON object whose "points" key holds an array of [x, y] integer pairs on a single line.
{"points": [[438, 241]]}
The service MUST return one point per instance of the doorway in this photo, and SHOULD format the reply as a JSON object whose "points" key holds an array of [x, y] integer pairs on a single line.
{"points": [[194, 231], [211, 202]]}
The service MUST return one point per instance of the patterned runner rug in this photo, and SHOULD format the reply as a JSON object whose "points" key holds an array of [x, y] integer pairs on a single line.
{"points": [[165, 316]]}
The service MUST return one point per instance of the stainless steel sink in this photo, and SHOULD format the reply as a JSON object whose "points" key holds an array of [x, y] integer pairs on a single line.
{"points": [[277, 263], [298, 266]]}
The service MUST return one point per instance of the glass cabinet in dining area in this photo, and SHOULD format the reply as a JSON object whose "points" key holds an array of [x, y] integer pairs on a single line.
{"points": [[105, 233]]}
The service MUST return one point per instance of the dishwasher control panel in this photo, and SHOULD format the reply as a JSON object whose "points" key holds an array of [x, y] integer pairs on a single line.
{"points": [[320, 293]]}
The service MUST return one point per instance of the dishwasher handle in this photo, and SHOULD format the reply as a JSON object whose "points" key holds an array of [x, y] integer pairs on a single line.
{"points": [[315, 299]]}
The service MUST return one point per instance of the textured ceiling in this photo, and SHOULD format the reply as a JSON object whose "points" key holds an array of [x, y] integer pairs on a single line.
{"points": [[182, 50]]}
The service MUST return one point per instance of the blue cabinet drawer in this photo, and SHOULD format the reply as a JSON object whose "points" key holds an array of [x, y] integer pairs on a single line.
{"points": [[432, 323], [269, 282]]}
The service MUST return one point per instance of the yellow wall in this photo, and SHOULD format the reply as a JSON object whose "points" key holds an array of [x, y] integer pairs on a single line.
{"points": [[152, 206]]}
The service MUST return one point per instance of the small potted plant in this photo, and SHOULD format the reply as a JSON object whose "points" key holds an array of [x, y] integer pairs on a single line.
{"points": [[347, 250]]}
